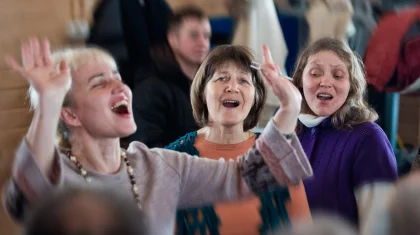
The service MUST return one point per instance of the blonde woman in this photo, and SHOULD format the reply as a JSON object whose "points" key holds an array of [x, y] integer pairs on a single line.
{"points": [[80, 90]]}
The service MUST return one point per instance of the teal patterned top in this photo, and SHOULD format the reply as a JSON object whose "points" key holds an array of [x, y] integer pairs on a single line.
{"points": [[273, 210]]}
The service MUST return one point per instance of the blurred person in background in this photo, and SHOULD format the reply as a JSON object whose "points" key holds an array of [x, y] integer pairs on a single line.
{"points": [[161, 104]]}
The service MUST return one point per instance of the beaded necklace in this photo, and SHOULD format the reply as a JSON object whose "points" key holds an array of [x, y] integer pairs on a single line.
{"points": [[130, 172]]}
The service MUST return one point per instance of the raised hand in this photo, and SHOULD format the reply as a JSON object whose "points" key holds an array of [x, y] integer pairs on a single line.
{"points": [[38, 69], [288, 95]]}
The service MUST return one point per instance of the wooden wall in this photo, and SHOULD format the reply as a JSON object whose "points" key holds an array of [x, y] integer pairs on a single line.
{"points": [[409, 120], [20, 19]]}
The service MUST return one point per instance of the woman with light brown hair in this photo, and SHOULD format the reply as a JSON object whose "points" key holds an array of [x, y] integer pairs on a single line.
{"points": [[353, 161], [228, 96]]}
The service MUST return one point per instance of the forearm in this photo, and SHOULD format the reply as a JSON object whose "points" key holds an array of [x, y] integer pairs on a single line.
{"points": [[42, 133], [285, 120]]}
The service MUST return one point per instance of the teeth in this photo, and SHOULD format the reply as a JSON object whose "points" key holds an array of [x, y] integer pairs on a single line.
{"points": [[325, 95], [120, 103], [230, 101]]}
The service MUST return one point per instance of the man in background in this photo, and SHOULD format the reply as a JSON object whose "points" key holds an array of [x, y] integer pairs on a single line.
{"points": [[161, 103]]}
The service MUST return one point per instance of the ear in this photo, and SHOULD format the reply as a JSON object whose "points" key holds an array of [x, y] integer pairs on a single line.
{"points": [[172, 39], [69, 117]]}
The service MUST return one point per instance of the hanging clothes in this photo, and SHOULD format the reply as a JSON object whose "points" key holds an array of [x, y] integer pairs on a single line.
{"points": [[259, 25], [329, 18], [365, 23], [384, 49]]}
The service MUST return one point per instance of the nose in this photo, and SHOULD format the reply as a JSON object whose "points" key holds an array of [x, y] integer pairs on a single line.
{"points": [[203, 41], [118, 87], [232, 86], [326, 81]]}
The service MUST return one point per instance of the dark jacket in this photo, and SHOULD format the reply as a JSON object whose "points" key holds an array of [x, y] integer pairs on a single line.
{"points": [[144, 24], [161, 104]]}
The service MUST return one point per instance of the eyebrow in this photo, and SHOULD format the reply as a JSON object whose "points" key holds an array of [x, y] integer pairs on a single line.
{"points": [[99, 75], [240, 71], [332, 65]]}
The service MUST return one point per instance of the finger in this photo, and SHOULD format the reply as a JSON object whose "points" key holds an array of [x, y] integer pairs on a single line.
{"points": [[17, 68], [27, 57], [278, 69], [64, 68], [36, 49], [269, 72], [46, 52], [267, 58], [13, 64]]}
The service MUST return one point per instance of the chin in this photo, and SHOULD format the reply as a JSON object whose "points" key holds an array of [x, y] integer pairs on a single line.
{"points": [[231, 123], [324, 113], [127, 131]]}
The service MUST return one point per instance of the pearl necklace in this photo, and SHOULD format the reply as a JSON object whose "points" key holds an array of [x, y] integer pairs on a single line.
{"points": [[130, 172]]}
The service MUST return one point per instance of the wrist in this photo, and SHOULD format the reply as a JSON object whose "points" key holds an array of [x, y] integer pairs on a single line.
{"points": [[286, 121]]}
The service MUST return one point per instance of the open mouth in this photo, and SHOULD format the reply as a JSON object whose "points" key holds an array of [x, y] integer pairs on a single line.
{"points": [[120, 108], [324, 96], [230, 103]]}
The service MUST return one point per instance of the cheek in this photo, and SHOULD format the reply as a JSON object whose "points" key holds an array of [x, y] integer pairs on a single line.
{"points": [[250, 97], [344, 90], [309, 90]]}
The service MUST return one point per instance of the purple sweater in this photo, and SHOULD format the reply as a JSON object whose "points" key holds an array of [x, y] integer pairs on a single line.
{"points": [[342, 161]]}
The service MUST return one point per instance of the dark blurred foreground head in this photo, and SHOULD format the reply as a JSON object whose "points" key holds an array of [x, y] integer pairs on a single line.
{"points": [[86, 212]]}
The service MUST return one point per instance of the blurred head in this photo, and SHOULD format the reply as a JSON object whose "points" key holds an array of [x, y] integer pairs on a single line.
{"points": [[404, 209], [332, 81], [226, 90], [86, 212], [322, 225], [98, 102], [189, 35]]}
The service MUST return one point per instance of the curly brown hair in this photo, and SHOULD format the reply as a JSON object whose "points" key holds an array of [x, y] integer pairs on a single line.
{"points": [[355, 109]]}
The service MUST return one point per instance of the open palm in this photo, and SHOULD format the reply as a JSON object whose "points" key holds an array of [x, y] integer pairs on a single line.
{"points": [[39, 70], [287, 93]]}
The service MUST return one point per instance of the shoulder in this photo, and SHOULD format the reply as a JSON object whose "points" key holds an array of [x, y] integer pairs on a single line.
{"points": [[153, 83], [185, 144], [152, 89], [369, 130]]}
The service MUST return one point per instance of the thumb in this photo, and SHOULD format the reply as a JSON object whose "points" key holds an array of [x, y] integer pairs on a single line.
{"points": [[64, 67]]}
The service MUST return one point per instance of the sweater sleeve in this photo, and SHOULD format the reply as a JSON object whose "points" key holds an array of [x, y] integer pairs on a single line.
{"points": [[28, 183], [271, 162], [375, 171]]}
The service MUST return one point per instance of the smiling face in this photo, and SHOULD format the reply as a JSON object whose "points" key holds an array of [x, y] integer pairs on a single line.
{"points": [[100, 101], [229, 95], [325, 83]]}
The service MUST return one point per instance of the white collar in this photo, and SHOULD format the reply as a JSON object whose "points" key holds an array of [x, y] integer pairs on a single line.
{"points": [[310, 120]]}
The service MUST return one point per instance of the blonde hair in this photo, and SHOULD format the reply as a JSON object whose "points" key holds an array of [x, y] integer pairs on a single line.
{"points": [[74, 57], [355, 110]]}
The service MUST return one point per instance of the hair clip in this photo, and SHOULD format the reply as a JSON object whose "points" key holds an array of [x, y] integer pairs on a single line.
{"points": [[257, 66]]}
